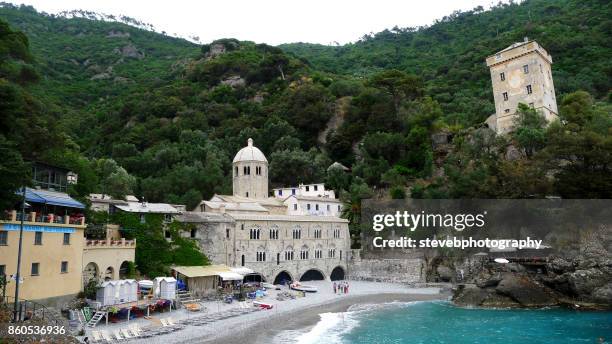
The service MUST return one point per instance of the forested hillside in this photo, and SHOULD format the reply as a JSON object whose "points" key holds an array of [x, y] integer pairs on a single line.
{"points": [[134, 111], [449, 55]]}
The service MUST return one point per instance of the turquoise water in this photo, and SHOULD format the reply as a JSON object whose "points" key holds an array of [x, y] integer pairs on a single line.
{"points": [[441, 322]]}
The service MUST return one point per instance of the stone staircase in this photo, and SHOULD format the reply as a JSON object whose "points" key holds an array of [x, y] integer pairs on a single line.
{"points": [[184, 297]]}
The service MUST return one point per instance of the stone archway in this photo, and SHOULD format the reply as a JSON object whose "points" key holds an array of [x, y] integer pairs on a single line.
{"points": [[337, 274], [91, 272], [283, 277], [124, 270], [254, 277], [109, 274], [312, 275]]}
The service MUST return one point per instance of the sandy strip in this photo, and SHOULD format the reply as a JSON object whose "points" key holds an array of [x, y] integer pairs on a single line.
{"points": [[262, 326]]}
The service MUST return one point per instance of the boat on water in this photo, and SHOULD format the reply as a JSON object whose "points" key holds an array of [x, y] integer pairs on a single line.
{"points": [[302, 287]]}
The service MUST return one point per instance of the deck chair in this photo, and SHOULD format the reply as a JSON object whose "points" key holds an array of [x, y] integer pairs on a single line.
{"points": [[106, 337], [172, 323], [126, 334], [117, 335], [96, 336], [136, 331]]}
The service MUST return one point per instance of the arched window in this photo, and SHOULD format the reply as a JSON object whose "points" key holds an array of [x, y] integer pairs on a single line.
{"points": [[289, 253], [297, 232], [236, 171], [261, 255], [274, 232], [254, 233], [317, 232], [242, 260], [336, 232], [304, 252], [319, 252]]}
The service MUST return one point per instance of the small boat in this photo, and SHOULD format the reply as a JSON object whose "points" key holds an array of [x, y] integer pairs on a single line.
{"points": [[270, 286], [302, 287]]}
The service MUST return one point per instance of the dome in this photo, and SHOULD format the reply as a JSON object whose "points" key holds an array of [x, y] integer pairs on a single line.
{"points": [[250, 153]]}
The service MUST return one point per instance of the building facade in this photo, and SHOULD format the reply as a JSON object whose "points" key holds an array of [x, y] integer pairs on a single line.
{"points": [[261, 232], [521, 73], [52, 247]]}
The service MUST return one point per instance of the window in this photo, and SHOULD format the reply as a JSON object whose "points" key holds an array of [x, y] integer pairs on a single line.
{"points": [[167, 218], [507, 110], [338, 207], [289, 254], [526, 69], [502, 76], [64, 267], [529, 91], [340, 254], [35, 268], [331, 253], [193, 233], [318, 253], [167, 234], [274, 233], [297, 233], [3, 238], [295, 206], [316, 207], [336, 233], [2, 270], [66, 238], [308, 206], [505, 94], [236, 171], [317, 233], [38, 238], [261, 256], [247, 194], [293, 191], [307, 188], [304, 253], [227, 233], [280, 192], [242, 260], [254, 234], [328, 207], [258, 170], [316, 187]]}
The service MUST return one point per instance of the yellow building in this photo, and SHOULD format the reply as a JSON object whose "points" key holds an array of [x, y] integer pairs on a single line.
{"points": [[52, 248]]}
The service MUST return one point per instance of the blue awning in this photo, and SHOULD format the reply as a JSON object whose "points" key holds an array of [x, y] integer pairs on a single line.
{"points": [[51, 198]]}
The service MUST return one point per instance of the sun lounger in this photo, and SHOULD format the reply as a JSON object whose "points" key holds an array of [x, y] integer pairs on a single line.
{"points": [[172, 323], [126, 334], [117, 335], [106, 337], [96, 336]]}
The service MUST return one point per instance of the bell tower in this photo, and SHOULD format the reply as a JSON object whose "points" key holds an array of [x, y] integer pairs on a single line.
{"points": [[250, 172]]}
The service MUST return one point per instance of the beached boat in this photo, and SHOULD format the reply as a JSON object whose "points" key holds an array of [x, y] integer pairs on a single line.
{"points": [[302, 287], [271, 286]]}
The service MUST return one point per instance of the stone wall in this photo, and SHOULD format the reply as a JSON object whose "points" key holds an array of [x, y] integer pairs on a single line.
{"points": [[396, 270]]}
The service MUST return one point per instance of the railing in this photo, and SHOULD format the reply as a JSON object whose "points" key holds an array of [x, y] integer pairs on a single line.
{"points": [[28, 310], [16, 216]]}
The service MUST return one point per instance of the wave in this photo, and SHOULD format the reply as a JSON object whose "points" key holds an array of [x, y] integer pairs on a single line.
{"points": [[333, 326]]}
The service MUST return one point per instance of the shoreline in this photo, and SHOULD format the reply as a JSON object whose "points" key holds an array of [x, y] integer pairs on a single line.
{"points": [[309, 317], [298, 314]]}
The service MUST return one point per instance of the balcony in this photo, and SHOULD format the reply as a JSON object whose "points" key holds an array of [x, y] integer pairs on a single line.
{"points": [[32, 217]]}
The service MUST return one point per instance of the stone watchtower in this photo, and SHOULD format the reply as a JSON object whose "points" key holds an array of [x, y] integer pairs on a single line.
{"points": [[250, 172], [521, 73]]}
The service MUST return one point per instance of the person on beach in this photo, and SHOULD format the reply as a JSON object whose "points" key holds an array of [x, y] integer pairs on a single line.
{"points": [[335, 287]]}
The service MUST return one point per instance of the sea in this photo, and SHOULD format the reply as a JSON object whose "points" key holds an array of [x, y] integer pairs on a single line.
{"points": [[425, 322]]}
